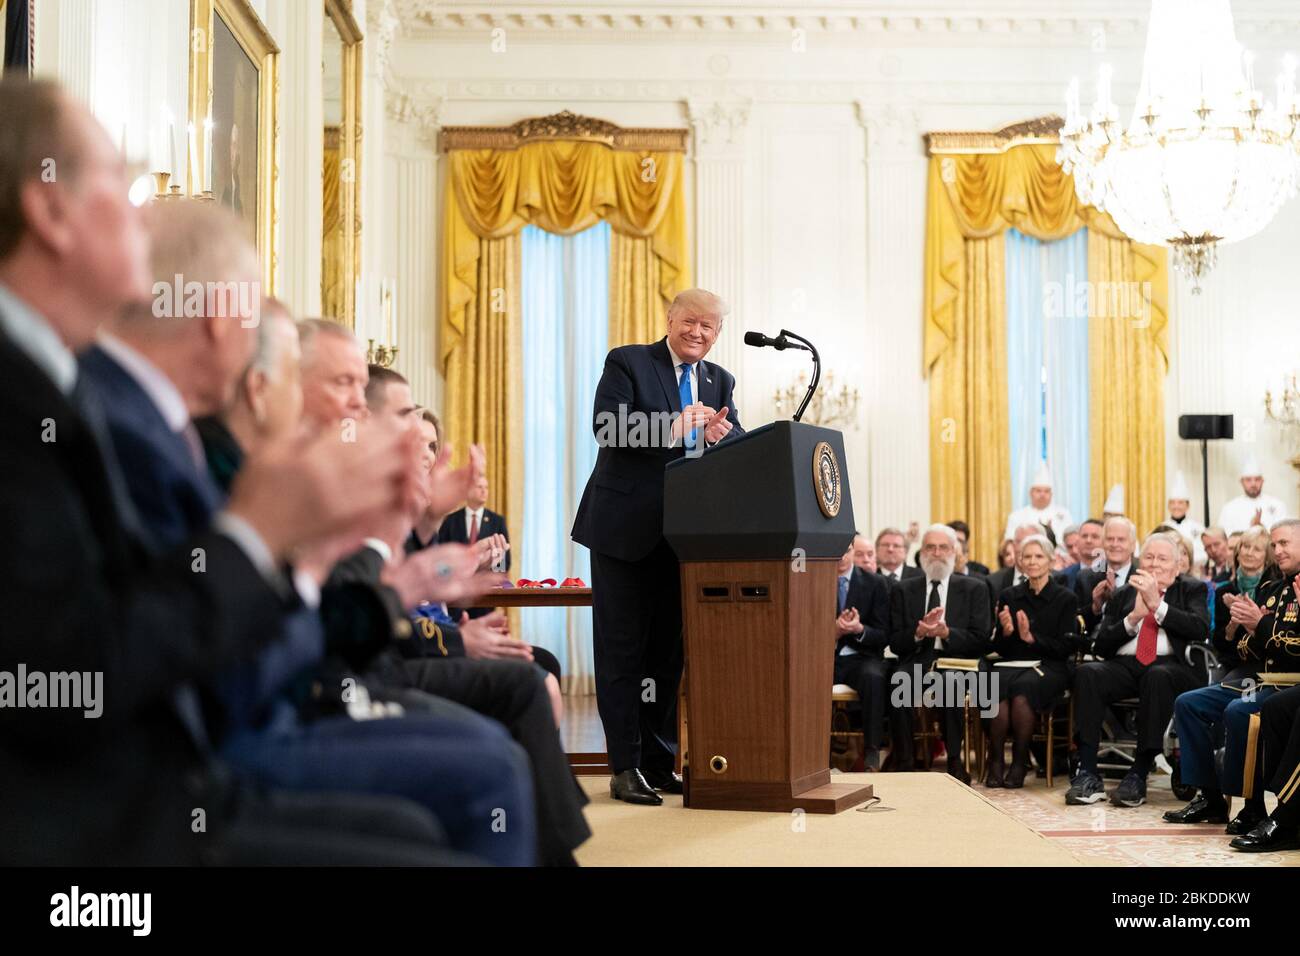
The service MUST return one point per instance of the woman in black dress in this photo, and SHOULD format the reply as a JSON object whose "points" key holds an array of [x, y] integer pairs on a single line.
{"points": [[1037, 620]]}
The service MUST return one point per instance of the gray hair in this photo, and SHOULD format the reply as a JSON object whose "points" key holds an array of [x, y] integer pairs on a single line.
{"points": [[310, 329], [267, 354], [1042, 541], [1132, 528], [949, 532], [1171, 538]]}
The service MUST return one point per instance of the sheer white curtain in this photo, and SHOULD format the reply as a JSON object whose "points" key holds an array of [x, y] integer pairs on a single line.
{"points": [[565, 338], [1065, 277], [1047, 366]]}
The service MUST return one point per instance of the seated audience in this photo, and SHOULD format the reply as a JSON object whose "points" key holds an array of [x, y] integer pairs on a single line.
{"points": [[1218, 553], [1086, 552], [861, 634], [1140, 648], [966, 565], [1038, 624], [864, 553], [1231, 701], [1279, 760], [1093, 588], [155, 368], [936, 614], [514, 692], [891, 557], [81, 594]]}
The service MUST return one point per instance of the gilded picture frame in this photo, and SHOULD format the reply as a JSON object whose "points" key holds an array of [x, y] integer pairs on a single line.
{"points": [[233, 91], [341, 177]]}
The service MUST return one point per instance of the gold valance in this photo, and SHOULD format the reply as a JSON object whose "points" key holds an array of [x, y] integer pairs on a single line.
{"points": [[562, 126]]}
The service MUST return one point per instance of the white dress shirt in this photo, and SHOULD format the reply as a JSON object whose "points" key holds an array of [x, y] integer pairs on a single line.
{"points": [[943, 601], [37, 339], [1163, 647]]}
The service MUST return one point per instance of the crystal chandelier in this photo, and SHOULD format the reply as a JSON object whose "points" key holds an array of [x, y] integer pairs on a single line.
{"points": [[1204, 158]]}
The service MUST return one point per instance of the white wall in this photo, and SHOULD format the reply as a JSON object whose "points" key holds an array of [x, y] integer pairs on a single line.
{"points": [[806, 174], [829, 216]]}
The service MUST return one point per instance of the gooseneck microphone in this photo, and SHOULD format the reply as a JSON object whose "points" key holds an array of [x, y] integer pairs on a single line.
{"points": [[780, 343], [760, 341]]}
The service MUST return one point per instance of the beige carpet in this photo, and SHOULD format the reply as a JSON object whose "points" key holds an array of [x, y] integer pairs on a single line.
{"points": [[922, 819]]}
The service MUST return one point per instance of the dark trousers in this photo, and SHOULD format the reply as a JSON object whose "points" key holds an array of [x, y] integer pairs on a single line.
{"points": [[1098, 684], [514, 693], [331, 829], [465, 770], [869, 676], [637, 623], [1279, 738], [1196, 714]]}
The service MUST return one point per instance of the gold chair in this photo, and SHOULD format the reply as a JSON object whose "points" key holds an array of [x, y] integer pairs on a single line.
{"points": [[842, 695]]}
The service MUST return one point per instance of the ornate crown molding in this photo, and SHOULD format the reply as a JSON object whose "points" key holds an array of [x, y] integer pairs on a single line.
{"points": [[674, 20], [561, 126], [1044, 129]]}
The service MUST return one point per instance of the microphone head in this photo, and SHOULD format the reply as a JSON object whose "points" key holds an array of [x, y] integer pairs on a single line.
{"points": [[757, 339]]}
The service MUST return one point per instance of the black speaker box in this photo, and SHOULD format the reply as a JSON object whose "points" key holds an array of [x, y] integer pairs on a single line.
{"points": [[1209, 427]]}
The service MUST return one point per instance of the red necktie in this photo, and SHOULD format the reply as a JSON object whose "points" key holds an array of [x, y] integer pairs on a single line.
{"points": [[1148, 637], [473, 529]]}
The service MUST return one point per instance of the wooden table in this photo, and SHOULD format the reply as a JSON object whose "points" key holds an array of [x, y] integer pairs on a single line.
{"points": [[535, 597]]}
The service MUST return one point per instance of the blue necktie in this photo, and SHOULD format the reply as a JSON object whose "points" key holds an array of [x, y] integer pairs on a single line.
{"points": [[844, 595], [684, 390]]}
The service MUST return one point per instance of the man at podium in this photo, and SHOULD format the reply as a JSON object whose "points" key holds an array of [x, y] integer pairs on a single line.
{"points": [[635, 580]]}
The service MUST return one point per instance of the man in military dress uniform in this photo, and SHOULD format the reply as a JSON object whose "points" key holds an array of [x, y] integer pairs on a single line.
{"points": [[1253, 642], [1275, 732]]}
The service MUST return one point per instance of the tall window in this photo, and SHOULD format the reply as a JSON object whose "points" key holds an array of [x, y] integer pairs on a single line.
{"points": [[1047, 366], [565, 338]]}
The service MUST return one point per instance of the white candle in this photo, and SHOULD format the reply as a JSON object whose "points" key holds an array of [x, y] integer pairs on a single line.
{"points": [[171, 143], [207, 152], [192, 159]]}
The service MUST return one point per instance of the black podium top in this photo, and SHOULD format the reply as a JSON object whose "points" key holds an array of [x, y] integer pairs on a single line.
{"points": [[777, 488]]}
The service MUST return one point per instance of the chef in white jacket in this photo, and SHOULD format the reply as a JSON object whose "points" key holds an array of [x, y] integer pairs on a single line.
{"points": [[1253, 506], [1040, 510]]}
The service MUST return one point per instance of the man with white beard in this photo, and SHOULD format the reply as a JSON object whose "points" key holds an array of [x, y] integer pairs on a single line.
{"points": [[937, 614]]}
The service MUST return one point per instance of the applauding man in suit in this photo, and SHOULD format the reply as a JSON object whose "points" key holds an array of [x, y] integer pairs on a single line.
{"points": [[861, 635], [636, 585], [938, 614], [1140, 646]]}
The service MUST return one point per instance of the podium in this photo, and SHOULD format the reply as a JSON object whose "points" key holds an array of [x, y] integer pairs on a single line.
{"points": [[759, 524]]}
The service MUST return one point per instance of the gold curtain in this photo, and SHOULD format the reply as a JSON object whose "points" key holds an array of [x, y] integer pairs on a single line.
{"points": [[970, 449], [637, 307], [974, 198], [563, 187], [332, 281]]}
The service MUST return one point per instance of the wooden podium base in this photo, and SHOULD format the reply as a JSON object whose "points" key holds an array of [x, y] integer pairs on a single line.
{"points": [[772, 798]]}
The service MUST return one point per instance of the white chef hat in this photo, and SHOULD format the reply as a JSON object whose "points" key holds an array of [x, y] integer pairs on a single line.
{"points": [[1042, 477], [1250, 468], [1114, 501], [1178, 489]]}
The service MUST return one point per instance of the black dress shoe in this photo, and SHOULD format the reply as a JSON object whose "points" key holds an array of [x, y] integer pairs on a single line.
{"points": [[994, 775], [1015, 776], [1268, 836], [630, 787], [666, 781], [1200, 810], [959, 774], [1245, 821]]}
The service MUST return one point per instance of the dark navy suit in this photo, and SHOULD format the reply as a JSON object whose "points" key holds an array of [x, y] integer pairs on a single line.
{"points": [[462, 768], [636, 585]]}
